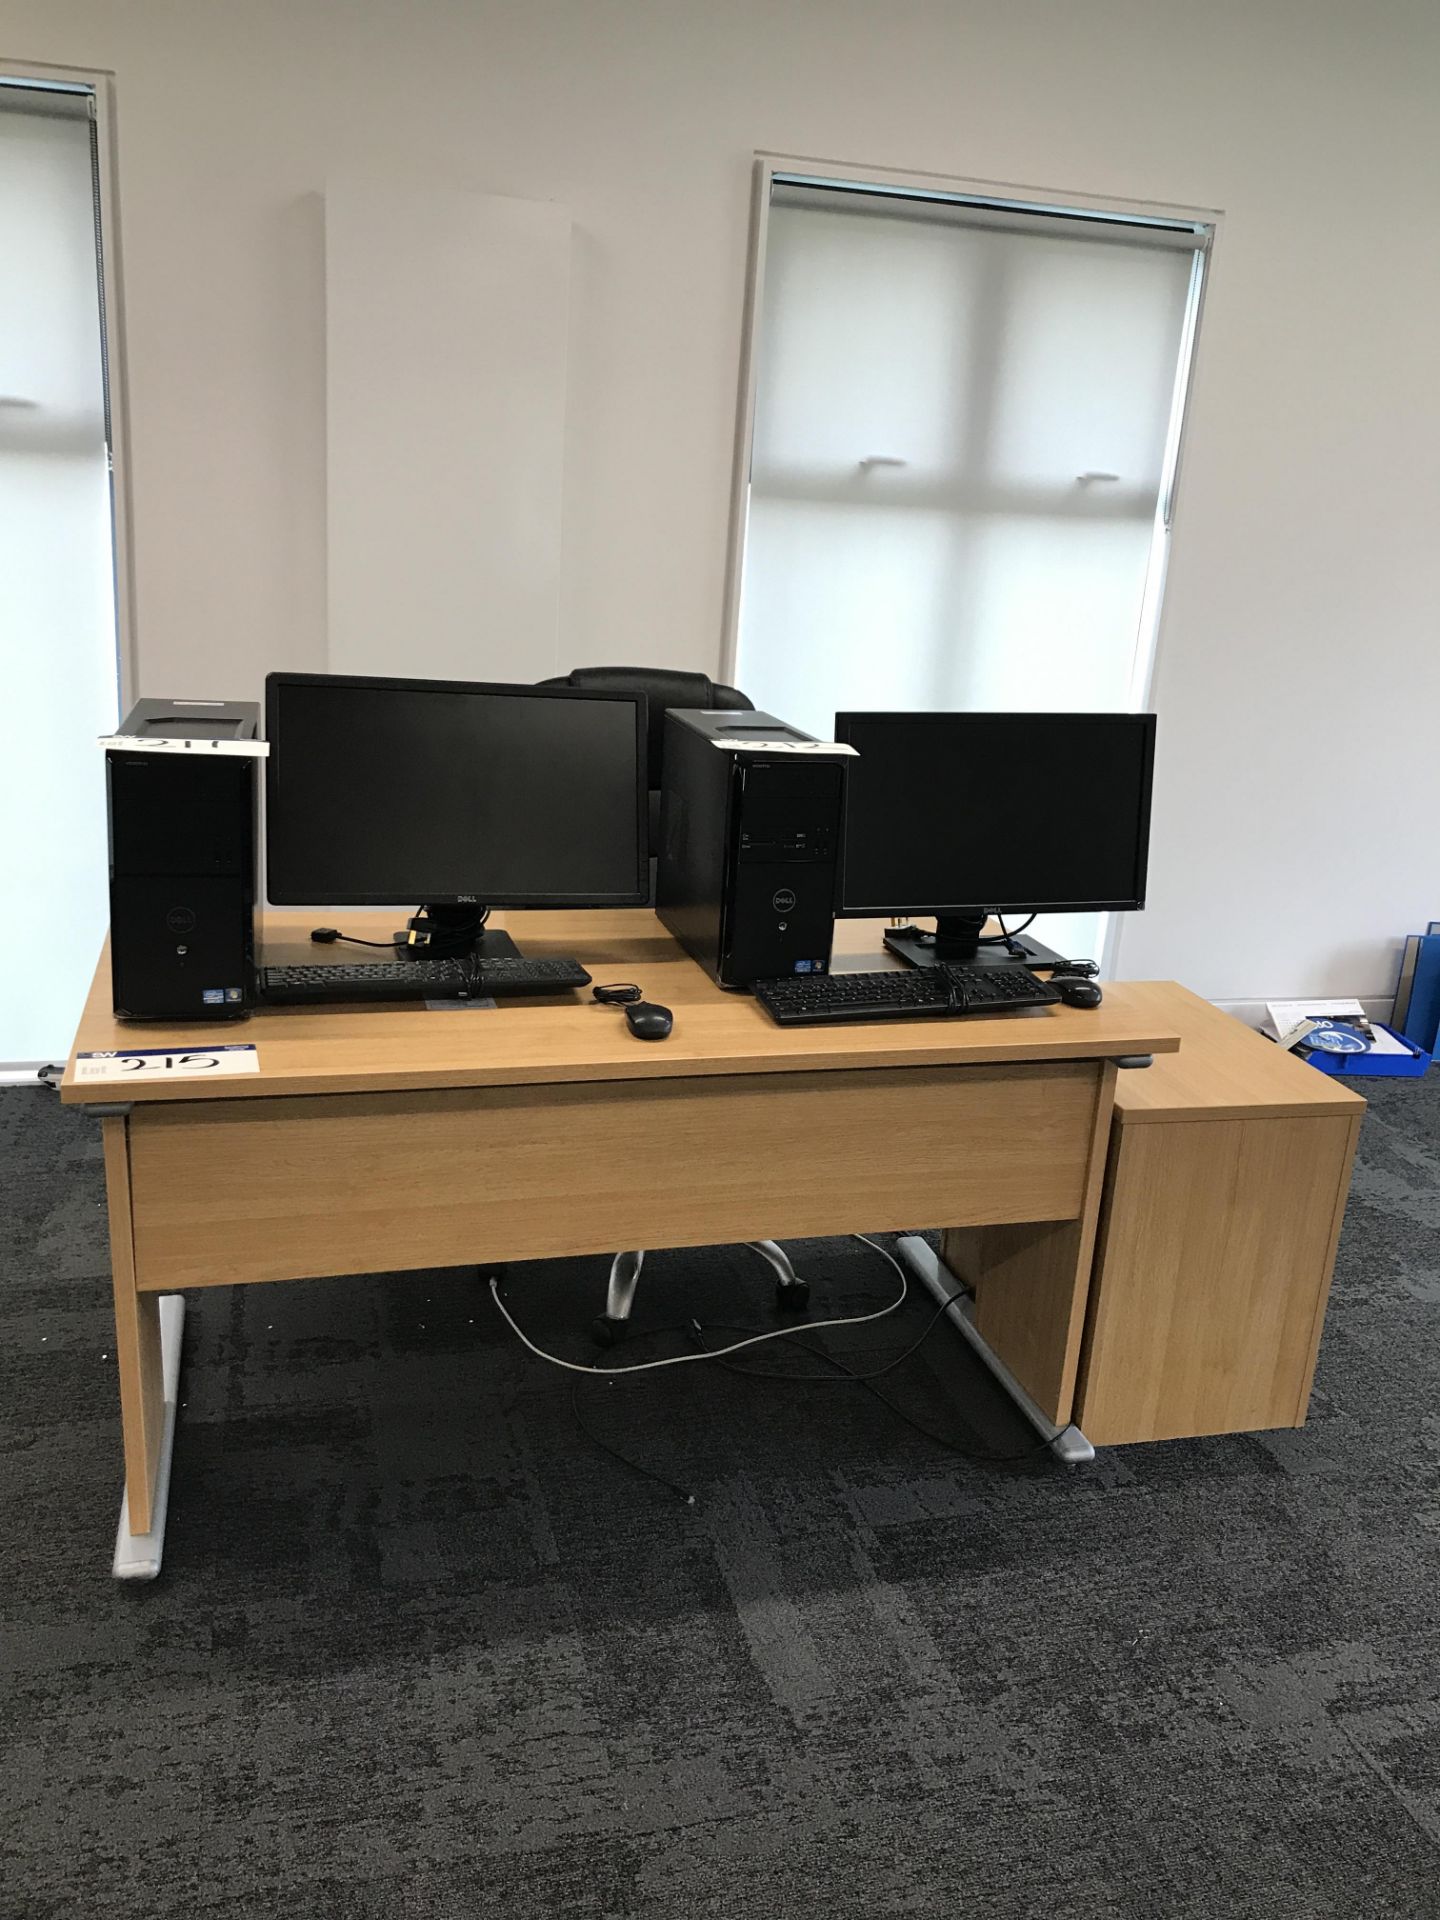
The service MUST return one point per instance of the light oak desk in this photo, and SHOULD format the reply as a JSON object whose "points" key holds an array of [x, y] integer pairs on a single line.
{"points": [[390, 1137]]}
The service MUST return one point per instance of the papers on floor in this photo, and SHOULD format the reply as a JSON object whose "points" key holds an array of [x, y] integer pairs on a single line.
{"points": [[1383, 1042], [1291, 1022], [1285, 1014]]}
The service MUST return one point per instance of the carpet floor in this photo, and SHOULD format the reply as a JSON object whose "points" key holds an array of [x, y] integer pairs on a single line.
{"points": [[423, 1648]]}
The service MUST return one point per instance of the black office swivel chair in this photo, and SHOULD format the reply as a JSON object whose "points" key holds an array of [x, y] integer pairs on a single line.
{"points": [[665, 687]]}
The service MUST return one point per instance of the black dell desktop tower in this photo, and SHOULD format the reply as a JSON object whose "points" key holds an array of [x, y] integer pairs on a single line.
{"points": [[181, 788], [751, 812]]}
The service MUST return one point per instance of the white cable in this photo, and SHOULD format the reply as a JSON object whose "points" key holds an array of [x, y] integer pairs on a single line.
{"points": [[718, 1353]]}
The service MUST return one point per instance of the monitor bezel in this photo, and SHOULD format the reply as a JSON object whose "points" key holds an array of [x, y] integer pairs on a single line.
{"points": [[1144, 722], [638, 896]]}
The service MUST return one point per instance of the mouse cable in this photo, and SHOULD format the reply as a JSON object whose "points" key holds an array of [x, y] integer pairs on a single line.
{"points": [[715, 1353], [635, 1466], [695, 1332], [625, 1459], [845, 1371], [842, 1375], [845, 1376]]}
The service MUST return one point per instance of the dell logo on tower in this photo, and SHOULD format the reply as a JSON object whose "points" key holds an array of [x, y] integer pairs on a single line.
{"points": [[783, 901]]}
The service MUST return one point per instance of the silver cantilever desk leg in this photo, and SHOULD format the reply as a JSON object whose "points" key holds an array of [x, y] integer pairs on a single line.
{"points": [[624, 1277], [138, 1555], [1066, 1443]]}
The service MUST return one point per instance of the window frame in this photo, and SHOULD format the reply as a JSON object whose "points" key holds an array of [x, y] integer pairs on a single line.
{"points": [[98, 83], [1025, 202]]}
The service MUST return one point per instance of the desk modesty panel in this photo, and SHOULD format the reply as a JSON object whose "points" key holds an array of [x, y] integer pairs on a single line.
{"points": [[239, 1190]]}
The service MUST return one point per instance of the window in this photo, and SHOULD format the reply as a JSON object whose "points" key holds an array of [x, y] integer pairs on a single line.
{"points": [[58, 633], [961, 450]]}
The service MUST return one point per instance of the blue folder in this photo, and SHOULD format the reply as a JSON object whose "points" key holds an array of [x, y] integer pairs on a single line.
{"points": [[1420, 1020]]}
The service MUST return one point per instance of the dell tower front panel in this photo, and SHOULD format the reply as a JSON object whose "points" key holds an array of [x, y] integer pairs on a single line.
{"points": [[751, 814], [782, 892], [181, 789]]}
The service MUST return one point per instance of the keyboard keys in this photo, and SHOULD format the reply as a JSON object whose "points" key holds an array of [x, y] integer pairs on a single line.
{"points": [[455, 979], [916, 993]]}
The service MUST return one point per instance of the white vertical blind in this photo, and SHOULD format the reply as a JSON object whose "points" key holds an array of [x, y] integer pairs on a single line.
{"points": [[58, 674], [959, 442]]}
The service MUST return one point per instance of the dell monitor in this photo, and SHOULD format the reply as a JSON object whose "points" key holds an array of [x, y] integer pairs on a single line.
{"points": [[455, 795], [962, 815]]}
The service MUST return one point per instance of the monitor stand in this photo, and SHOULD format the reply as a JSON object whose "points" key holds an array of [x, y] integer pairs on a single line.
{"points": [[956, 940], [456, 933]]}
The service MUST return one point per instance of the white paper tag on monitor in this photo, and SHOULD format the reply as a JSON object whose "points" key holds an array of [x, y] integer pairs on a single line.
{"points": [[169, 1063]]}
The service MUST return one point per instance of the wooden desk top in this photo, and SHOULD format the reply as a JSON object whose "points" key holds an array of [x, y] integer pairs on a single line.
{"points": [[1223, 1071], [569, 1037]]}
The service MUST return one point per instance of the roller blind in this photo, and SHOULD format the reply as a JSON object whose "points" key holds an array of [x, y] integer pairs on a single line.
{"points": [[961, 423], [994, 215], [58, 672]]}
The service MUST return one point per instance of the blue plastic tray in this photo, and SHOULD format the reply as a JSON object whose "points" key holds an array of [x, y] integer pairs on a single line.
{"points": [[1374, 1066]]}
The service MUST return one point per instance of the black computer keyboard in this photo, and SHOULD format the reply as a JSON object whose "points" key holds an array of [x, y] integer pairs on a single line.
{"points": [[459, 979], [516, 974], [809, 999]]}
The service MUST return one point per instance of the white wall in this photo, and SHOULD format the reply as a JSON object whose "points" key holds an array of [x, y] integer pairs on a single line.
{"points": [[1289, 851], [445, 429]]}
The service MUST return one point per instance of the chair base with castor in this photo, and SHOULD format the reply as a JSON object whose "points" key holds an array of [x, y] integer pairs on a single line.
{"points": [[792, 1294]]}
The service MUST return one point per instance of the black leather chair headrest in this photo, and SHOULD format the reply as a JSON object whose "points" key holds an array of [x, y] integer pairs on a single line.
{"points": [[663, 687]]}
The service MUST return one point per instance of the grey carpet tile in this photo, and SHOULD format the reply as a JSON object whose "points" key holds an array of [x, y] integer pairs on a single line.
{"points": [[423, 1648]]}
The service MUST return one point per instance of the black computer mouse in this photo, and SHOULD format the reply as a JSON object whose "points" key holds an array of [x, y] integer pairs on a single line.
{"points": [[1076, 992], [647, 1021]]}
